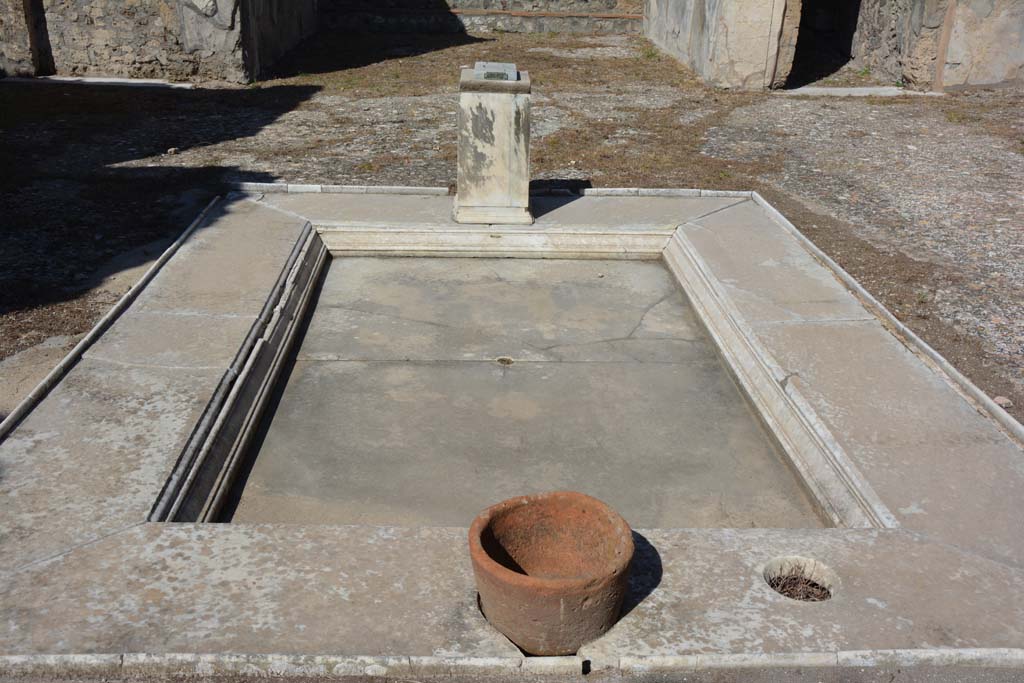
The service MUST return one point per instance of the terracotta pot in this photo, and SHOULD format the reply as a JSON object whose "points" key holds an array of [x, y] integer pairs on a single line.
{"points": [[551, 569]]}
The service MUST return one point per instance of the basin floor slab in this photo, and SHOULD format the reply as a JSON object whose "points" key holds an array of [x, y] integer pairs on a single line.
{"points": [[397, 409]]}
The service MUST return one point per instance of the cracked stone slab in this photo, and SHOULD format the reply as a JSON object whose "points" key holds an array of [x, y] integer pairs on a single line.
{"points": [[172, 340], [434, 443], [92, 457], [181, 588], [895, 590], [398, 413], [404, 592], [205, 277], [769, 279], [620, 213], [83, 574], [936, 463], [480, 309]]}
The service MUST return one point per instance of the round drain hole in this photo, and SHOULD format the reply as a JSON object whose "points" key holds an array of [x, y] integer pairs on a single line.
{"points": [[801, 578], [504, 360]]}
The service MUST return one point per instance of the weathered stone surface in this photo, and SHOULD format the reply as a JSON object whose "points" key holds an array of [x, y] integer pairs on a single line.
{"points": [[622, 6], [986, 43], [610, 311], [924, 43], [405, 417], [622, 213], [173, 339], [788, 38], [519, 16], [114, 426], [769, 279], [900, 38], [932, 587], [938, 467], [230, 588], [405, 592], [494, 148], [155, 39], [228, 271], [106, 437], [895, 590]]}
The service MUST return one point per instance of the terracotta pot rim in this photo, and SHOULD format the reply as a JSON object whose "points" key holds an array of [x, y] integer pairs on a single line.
{"points": [[481, 557]]}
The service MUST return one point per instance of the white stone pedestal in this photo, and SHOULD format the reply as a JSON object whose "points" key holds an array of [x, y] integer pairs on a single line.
{"points": [[494, 145]]}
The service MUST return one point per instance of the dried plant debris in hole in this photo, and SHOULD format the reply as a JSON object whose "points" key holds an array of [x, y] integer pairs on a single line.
{"points": [[798, 587], [801, 578]]}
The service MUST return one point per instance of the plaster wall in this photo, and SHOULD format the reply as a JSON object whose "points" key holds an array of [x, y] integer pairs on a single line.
{"points": [[730, 44], [986, 43]]}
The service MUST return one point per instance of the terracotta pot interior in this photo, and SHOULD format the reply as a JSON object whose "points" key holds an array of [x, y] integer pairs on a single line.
{"points": [[554, 539]]}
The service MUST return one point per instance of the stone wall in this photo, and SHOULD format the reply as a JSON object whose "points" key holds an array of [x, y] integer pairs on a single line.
{"points": [[729, 43], [899, 39], [923, 43], [181, 40], [15, 50], [146, 38], [942, 43]]}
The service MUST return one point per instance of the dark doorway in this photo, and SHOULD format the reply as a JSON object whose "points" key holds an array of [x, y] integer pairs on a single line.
{"points": [[825, 41]]}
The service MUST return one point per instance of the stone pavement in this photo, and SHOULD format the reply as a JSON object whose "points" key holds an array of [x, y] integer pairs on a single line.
{"points": [[92, 589]]}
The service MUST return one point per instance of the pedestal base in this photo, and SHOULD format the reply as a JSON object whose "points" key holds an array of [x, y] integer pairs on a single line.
{"points": [[508, 215]]}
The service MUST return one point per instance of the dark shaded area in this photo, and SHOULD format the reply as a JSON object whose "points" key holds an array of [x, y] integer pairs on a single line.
{"points": [[548, 195], [92, 174], [497, 552], [560, 186], [39, 38], [72, 201], [644, 573], [353, 34], [240, 477], [388, 16], [825, 41]]}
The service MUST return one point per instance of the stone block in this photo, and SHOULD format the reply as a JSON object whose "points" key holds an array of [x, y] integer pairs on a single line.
{"points": [[494, 146]]}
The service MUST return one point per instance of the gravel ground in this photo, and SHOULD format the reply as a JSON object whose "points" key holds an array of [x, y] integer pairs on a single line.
{"points": [[908, 180], [919, 198]]}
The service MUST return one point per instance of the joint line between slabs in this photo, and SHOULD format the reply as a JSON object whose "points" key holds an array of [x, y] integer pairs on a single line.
{"points": [[75, 547], [712, 213]]}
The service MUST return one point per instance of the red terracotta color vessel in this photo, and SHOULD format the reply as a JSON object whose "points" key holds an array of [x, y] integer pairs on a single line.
{"points": [[551, 569]]}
